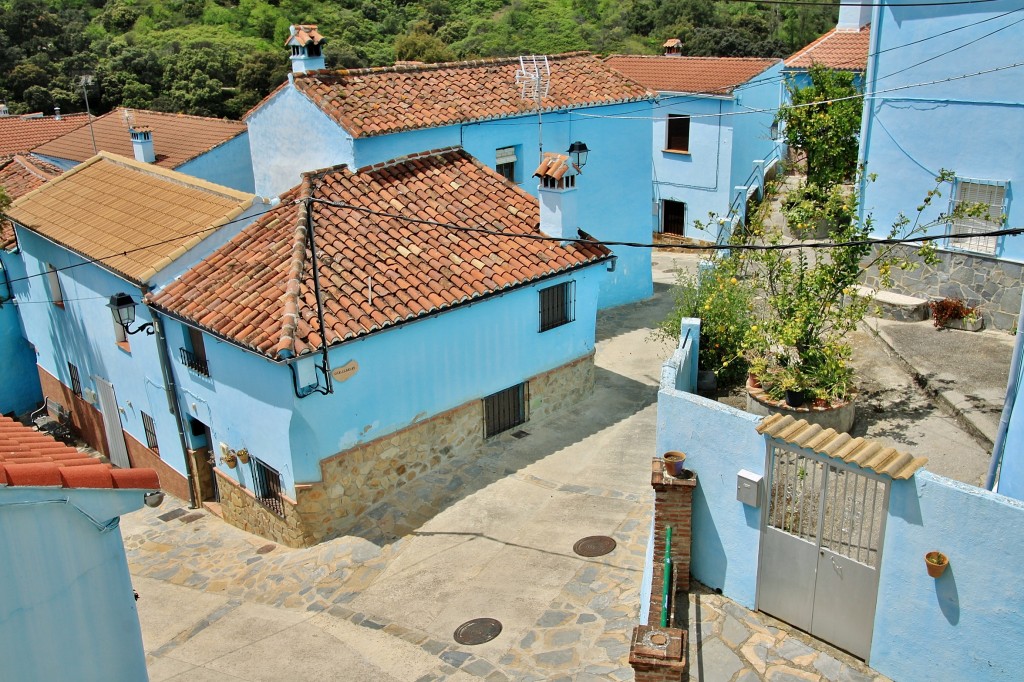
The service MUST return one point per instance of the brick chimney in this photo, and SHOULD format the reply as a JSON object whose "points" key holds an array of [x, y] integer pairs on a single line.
{"points": [[673, 47], [142, 144], [557, 193], [306, 45]]}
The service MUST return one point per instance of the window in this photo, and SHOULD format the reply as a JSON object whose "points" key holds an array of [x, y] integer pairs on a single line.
{"points": [[971, 193], [557, 305], [673, 217], [678, 133], [266, 486], [195, 359], [505, 162], [505, 409], [76, 382], [53, 284], [150, 428]]}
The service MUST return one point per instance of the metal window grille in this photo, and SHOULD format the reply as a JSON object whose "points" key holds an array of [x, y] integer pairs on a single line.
{"points": [[194, 362], [972, 192], [673, 217], [505, 409], [76, 382], [266, 484], [150, 427], [678, 133], [557, 305]]}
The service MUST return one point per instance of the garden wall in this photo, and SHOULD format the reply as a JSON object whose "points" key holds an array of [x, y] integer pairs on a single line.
{"points": [[967, 624]]}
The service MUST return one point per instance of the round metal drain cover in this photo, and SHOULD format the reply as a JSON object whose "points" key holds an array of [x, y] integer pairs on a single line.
{"points": [[477, 631], [595, 545], [266, 549]]}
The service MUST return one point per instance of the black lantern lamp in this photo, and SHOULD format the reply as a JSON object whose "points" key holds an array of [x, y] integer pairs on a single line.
{"points": [[122, 307], [578, 153]]}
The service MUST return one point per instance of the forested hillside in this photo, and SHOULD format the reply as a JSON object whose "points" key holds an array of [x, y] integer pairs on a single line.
{"points": [[220, 57]]}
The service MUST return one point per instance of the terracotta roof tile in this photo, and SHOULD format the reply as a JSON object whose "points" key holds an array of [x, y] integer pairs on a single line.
{"points": [[365, 281], [31, 458], [113, 205], [708, 75], [19, 175], [304, 34], [177, 138], [857, 451], [385, 100], [21, 134], [838, 49]]}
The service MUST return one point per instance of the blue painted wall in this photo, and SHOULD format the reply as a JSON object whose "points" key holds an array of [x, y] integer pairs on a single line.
{"points": [[405, 375], [290, 135], [718, 441], [967, 624], [229, 164], [905, 136], [66, 606], [752, 132], [20, 391]]}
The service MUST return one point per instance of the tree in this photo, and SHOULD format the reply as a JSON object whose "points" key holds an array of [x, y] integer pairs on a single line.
{"points": [[419, 46], [823, 122]]}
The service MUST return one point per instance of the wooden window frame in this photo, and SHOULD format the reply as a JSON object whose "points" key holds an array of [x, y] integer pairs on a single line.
{"points": [[675, 138]]}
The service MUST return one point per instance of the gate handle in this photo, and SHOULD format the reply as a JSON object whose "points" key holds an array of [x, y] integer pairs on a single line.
{"points": [[837, 567]]}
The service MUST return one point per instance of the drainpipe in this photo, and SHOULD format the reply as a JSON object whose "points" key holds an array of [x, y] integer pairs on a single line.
{"points": [[172, 400], [1011, 397]]}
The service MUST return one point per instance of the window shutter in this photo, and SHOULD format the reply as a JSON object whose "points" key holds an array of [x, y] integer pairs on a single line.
{"points": [[989, 193]]}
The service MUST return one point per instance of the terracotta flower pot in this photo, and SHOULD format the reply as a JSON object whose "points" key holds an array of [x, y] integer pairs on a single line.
{"points": [[674, 462], [936, 563], [230, 460]]}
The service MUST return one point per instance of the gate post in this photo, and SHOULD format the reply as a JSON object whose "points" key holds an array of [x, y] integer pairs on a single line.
{"points": [[673, 506]]}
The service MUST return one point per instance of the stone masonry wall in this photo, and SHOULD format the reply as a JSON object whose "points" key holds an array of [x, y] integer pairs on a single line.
{"points": [[995, 284], [356, 479]]}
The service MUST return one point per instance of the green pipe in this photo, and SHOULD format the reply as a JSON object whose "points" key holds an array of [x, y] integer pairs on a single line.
{"points": [[666, 579]]}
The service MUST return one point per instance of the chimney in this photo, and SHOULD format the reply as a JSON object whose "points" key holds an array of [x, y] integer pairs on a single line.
{"points": [[56, 113], [142, 144], [557, 193], [673, 47], [853, 17], [306, 45], [4, 111]]}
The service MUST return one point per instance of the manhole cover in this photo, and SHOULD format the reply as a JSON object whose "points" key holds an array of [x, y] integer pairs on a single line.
{"points": [[520, 434], [595, 545], [265, 549], [173, 514], [477, 631], [194, 516]]}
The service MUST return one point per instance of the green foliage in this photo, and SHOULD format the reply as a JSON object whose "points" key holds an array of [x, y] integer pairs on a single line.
{"points": [[46, 45], [723, 303], [825, 130], [952, 309]]}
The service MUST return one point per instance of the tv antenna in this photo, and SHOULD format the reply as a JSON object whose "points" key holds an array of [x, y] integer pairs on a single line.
{"points": [[534, 78], [128, 116]]}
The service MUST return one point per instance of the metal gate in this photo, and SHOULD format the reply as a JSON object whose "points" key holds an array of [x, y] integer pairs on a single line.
{"points": [[821, 546], [116, 448]]}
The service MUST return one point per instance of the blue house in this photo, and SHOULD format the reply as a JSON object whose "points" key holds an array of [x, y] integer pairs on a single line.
{"points": [[101, 235], [844, 48], [931, 72], [502, 111], [377, 323], [713, 141], [67, 610], [211, 149]]}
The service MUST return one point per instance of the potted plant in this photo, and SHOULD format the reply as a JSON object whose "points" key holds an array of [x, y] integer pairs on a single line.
{"points": [[243, 455], [955, 313], [674, 463], [936, 563], [230, 459]]}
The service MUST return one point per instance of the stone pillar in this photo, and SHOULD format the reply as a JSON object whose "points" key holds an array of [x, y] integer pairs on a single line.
{"points": [[673, 506], [657, 654]]}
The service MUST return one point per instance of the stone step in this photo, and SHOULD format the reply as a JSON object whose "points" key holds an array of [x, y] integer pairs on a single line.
{"points": [[893, 306]]}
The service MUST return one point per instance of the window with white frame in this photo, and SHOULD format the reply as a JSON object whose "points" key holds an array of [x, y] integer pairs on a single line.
{"points": [[986, 201], [53, 285], [505, 162]]}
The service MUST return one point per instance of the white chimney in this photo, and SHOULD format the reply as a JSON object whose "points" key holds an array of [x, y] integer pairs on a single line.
{"points": [[557, 193], [853, 17], [306, 45], [142, 144], [56, 113]]}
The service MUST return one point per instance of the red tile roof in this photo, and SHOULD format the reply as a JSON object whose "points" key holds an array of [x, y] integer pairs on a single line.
{"points": [[31, 458], [177, 138], [390, 99], [555, 166], [706, 75], [845, 49], [21, 134], [304, 34], [375, 271], [20, 175]]}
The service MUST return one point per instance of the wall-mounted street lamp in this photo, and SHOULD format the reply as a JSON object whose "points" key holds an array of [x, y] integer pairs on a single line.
{"points": [[122, 307], [578, 153]]}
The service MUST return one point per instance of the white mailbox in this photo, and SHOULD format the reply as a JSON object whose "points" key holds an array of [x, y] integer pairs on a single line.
{"points": [[748, 488]]}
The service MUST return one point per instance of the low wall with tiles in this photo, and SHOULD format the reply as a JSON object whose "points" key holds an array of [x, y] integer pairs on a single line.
{"points": [[995, 284], [357, 479]]}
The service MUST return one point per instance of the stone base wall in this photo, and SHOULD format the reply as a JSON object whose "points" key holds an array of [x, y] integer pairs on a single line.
{"points": [[356, 479], [995, 284]]}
